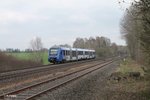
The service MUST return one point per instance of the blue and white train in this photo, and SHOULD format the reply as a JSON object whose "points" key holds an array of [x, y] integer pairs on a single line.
{"points": [[61, 54]]}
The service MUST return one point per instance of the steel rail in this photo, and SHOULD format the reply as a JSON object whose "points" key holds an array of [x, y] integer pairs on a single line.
{"points": [[63, 83]]}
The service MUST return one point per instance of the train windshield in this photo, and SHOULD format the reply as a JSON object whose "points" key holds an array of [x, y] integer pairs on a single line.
{"points": [[53, 51]]}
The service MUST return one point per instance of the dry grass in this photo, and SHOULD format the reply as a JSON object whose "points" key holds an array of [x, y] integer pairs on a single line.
{"points": [[129, 65], [139, 88], [8, 63]]}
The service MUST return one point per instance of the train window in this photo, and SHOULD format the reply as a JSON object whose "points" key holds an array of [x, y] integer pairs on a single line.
{"points": [[91, 53], [63, 52], [80, 52], [53, 51], [68, 52], [86, 53], [94, 53], [74, 53]]}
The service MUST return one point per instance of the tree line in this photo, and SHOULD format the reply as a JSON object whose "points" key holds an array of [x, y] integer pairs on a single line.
{"points": [[135, 28], [102, 45]]}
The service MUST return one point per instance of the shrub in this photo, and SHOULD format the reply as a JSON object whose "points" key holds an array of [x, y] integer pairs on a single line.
{"points": [[9, 63]]}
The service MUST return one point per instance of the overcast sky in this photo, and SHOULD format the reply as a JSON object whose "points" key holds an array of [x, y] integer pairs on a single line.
{"points": [[57, 21]]}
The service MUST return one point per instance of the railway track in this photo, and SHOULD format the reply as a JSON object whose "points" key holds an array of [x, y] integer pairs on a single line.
{"points": [[37, 89], [20, 78], [30, 71]]}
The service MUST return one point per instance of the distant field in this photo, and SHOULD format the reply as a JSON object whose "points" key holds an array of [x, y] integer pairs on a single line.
{"points": [[28, 56]]}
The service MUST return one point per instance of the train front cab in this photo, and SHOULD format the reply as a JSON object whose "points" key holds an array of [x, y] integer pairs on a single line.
{"points": [[55, 55]]}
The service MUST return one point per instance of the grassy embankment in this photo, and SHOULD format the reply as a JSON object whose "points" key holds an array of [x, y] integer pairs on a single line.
{"points": [[138, 88], [128, 65], [28, 56], [9, 62]]}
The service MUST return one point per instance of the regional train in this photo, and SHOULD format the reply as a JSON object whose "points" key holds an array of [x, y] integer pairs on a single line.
{"points": [[62, 54]]}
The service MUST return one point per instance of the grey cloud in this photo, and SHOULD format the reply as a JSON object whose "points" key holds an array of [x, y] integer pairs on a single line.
{"points": [[60, 22]]}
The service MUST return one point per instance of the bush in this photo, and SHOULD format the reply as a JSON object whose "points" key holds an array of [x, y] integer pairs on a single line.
{"points": [[103, 52]]}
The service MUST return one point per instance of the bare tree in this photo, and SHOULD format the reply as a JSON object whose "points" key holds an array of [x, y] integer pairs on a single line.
{"points": [[102, 45], [36, 46], [114, 49], [135, 27], [79, 43]]}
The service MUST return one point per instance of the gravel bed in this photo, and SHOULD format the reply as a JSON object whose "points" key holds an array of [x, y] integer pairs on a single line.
{"points": [[90, 87]]}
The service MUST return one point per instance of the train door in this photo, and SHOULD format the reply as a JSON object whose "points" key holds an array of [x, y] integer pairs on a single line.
{"points": [[71, 55], [76, 54]]}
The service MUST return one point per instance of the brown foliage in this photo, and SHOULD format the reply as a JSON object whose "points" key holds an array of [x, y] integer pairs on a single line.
{"points": [[9, 63]]}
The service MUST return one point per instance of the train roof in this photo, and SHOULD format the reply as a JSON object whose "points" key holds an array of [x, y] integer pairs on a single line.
{"points": [[78, 49]]}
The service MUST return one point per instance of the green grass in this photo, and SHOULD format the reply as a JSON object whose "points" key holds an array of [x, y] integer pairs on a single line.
{"points": [[22, 55], [45, 58], [28, 56]]}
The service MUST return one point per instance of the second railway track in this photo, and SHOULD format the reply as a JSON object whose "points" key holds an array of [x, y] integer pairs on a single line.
{"points": [[34, 90], [29, 71], [20, 78]]}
